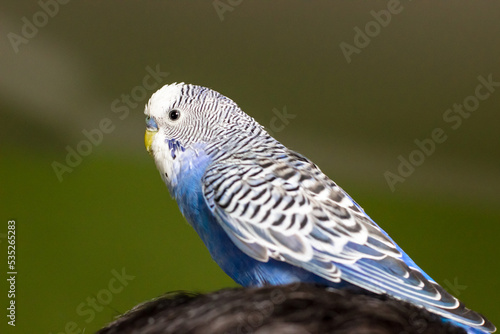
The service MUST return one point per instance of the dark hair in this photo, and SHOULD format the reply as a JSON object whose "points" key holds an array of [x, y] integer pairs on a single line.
{"points": [[291, 309]]}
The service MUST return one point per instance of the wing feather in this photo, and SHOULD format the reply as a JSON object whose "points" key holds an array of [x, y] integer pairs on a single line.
{"points": [[280, 205]]}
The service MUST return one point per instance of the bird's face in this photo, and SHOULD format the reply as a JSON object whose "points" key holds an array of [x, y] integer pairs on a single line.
{"points": [[179, 116], [175, 115]]}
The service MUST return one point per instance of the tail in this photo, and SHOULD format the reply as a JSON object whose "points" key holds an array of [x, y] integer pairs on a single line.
{"points": [[468, 329]]}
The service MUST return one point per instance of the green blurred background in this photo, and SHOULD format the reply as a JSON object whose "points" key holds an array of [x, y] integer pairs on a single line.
{"points": [[353, 119]]}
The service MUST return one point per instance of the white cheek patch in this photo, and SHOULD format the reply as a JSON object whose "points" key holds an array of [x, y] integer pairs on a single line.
{"points": [[162, 156]]}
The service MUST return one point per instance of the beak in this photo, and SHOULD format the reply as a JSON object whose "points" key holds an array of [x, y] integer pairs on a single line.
{"points": [[148, 139]]}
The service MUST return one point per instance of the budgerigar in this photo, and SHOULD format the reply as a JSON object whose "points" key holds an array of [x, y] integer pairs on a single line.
{"points": [[268, 215]]}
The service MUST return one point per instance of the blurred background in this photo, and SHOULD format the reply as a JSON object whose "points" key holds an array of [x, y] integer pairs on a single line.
{"points": [[351, 85]]}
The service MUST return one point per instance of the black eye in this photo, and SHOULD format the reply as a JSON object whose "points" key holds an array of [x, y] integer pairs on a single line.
{"points": [[174, 115]]}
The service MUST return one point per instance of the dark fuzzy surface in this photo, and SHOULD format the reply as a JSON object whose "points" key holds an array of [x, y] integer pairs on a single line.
{"points": [[291, 309]]}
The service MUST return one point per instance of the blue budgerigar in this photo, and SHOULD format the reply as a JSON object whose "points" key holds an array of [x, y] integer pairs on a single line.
{"points": [[268, 215]]}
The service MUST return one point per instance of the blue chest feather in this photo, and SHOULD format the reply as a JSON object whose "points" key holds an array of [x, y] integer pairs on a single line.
{"points": [[174, 146]]}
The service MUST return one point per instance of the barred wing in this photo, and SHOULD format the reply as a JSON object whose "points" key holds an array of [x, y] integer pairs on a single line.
{"points": [[282, 206]]}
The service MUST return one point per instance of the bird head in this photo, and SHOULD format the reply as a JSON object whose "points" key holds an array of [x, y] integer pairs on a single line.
{"points": [[180, 116]]}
